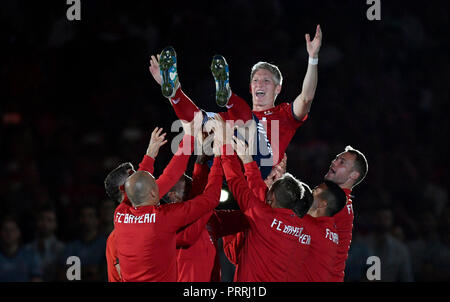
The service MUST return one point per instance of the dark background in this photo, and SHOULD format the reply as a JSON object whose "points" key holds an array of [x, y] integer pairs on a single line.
{"points": [[77, 99]]}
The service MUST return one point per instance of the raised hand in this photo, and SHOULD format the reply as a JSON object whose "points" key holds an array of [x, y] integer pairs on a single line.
{"points": [[154, 69], [313, 46], [156, 141], [276, 172], [221, 133], [242, 150]]}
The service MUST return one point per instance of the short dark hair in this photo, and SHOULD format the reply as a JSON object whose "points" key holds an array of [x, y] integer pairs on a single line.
{"points": [[303, 205], [360, 165], [290, 193], [115, 179], [335, 197]]}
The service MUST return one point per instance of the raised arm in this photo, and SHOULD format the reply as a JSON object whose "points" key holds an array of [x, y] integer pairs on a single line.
{"points": [[252, 172], [184, 213], [178, 164], [157, 139], [231, 166], [189, 234], [237, 183], [302, 104], [199, 176]]}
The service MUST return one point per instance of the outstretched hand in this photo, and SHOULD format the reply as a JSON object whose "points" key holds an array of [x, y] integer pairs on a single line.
{"points": [[154, 69], [276, 172], [242, 150], [222, 133], [156, 141], [313, 46]]}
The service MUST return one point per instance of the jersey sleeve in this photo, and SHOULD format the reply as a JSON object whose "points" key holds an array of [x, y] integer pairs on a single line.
{"points": [[344, 226], [289, 112], [237, 183], [147, 164], [111, 258], [226, 222], [255, 182], [189, 234], [232, 245], [176, 167], [184, 213], [199, 179]]}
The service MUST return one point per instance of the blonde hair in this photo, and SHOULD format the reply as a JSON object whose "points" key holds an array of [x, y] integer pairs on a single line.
{"points": [[273, 69]]}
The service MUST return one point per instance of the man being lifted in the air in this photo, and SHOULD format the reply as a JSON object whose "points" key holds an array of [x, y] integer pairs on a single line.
{"points": [[276, 125]]}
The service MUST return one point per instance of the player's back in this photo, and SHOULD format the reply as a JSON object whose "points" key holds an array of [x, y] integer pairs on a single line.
{"points": [[275, 246], [196, 263], [320, 263], [145, 244], [146, 240]]}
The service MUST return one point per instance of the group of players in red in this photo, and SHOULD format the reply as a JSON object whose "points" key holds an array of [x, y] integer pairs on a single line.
{"points": [[283, 230]]}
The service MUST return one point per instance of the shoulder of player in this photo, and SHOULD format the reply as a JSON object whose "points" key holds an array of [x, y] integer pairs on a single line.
{"points": [[286, 110], [168, 208], [318, 223]]}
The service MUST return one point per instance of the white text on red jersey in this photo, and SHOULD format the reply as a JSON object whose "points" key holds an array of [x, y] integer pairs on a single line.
{"points": [[291, 230], [130, 218]]}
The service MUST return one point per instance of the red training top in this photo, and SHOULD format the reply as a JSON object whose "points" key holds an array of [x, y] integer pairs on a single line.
{"points": [[321, 260], [232, 244], [197, 259], [146, 235], [277, 241], [279, 122], [167, 180]]}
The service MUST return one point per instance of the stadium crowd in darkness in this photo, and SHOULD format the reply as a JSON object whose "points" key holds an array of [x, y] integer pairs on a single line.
{"points": [[77, 99]]}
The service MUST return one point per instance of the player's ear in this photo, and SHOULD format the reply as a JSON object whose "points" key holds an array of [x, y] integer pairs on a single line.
{"points": [[323, 203], [278, 89], [154, 194], [354, 175]]}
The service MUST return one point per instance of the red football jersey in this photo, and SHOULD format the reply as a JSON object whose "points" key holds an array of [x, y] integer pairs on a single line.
{"points": [[279, 122], [319, 264], [197, 259], [167, 180], [344, 228], [112, 259], [146, 235], [280, 125], [275, 236], [232, 244]]}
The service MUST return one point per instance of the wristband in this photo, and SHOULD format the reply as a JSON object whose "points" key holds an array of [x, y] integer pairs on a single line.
{"points": [[313, 61]]}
